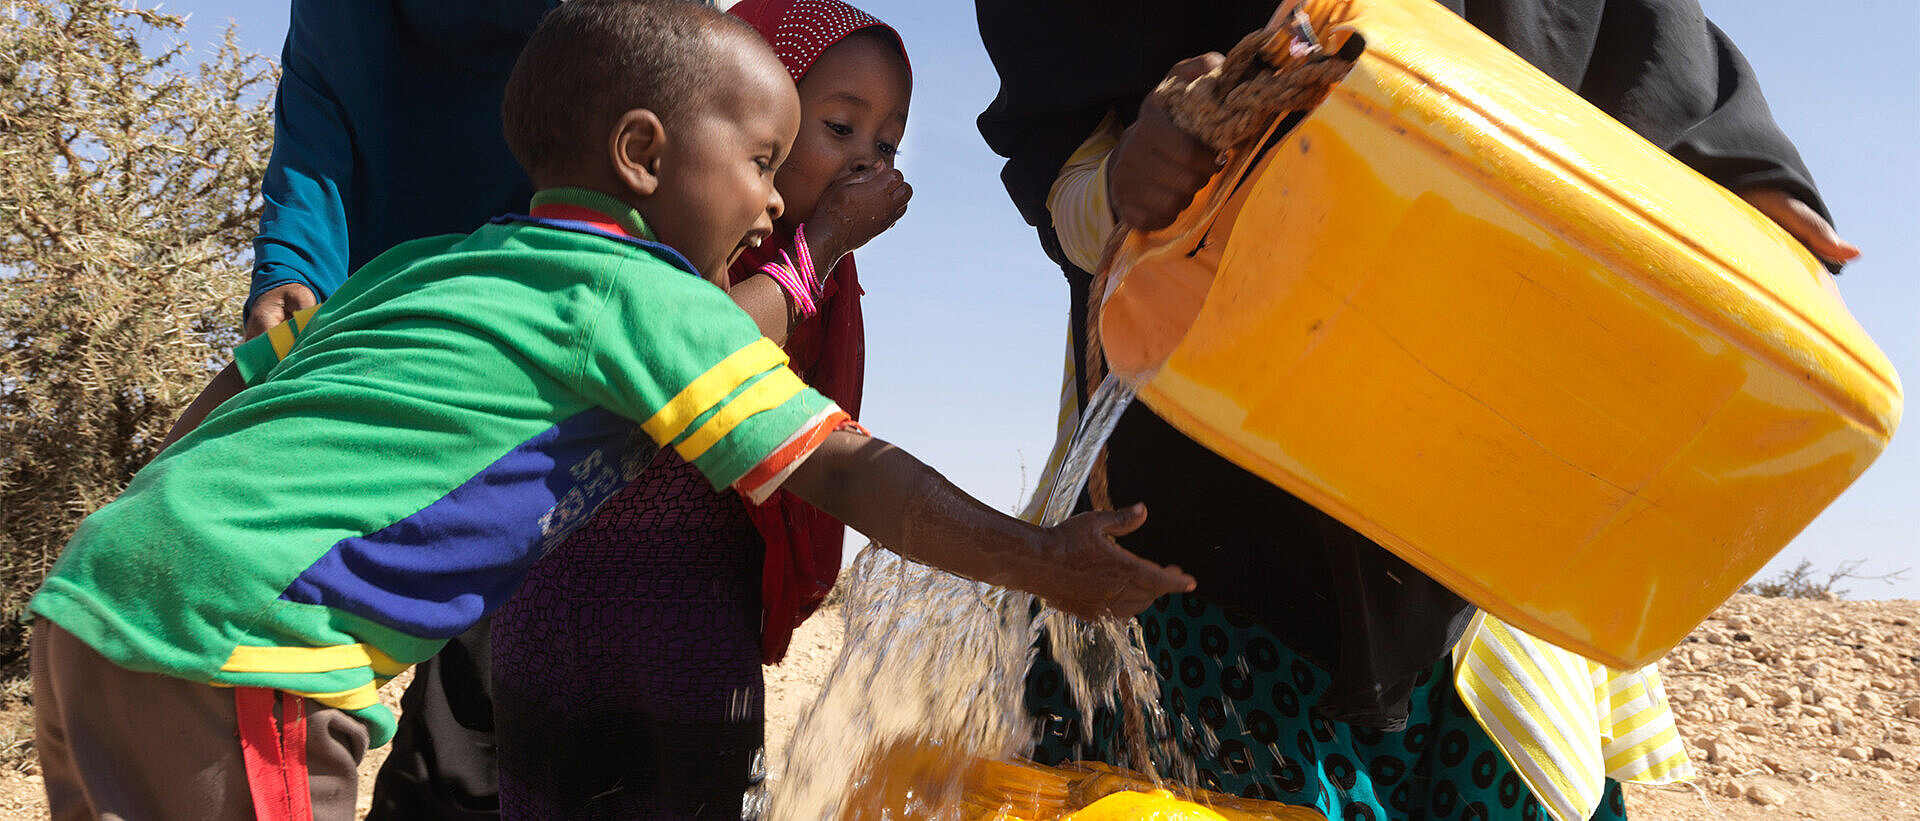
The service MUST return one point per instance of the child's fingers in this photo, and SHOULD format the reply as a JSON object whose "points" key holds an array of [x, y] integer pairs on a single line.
{"points": [[1123, 521], [1170, 579]]}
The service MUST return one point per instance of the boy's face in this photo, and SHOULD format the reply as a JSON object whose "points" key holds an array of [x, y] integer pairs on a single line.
{"points": [[716, 195], [853, 101]]}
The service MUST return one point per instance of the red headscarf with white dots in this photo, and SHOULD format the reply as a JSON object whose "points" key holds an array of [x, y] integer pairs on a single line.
{"points": [[800, 30], [828, 349]]}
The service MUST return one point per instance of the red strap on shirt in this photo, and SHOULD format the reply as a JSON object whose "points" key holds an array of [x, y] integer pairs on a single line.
{"points": [[276, 756]]}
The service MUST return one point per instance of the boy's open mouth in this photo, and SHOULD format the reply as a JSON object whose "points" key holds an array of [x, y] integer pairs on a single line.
{"points": [[753, 239]]}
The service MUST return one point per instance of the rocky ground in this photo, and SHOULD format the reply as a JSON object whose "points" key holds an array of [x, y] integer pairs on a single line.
{"points": [[1798, 707], [1791, 708]]}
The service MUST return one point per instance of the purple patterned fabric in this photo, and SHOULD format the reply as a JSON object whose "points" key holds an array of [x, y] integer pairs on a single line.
{"points": [[626, 669]]}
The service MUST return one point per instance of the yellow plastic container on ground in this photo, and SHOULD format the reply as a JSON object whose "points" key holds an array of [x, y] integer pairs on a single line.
{"points": [[1497, 332]]}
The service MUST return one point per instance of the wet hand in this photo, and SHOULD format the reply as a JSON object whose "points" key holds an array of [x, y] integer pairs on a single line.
{"points": [[1154, 172], [1094, 577], [276, 305], [852, 211], [1804, 223]]}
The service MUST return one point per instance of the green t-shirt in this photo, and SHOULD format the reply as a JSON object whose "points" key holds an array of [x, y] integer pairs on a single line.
{"points": [[402, 455]]}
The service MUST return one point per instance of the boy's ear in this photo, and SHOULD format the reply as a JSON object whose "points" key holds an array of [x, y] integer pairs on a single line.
{"points": [[636, 144]]}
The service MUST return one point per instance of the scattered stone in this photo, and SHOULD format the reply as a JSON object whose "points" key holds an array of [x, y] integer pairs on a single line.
{"points": [[1912, 710], [1731, 789], [1720, 749], [1741, 689], [1856, 753], [1751, 729], [1884, 754], [1765, 795]]}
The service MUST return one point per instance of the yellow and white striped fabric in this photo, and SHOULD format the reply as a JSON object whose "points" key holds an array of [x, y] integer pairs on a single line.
{"points": [[1077, 200], [1564, 722]]}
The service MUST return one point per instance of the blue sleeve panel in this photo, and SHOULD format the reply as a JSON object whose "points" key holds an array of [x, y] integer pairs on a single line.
{"points": [[386, 129]]}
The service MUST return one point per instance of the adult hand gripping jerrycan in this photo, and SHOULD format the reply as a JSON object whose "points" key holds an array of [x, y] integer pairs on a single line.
{"points": [[1492, 329]]}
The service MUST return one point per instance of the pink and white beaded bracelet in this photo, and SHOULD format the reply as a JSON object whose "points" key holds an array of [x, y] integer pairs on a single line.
{"points": [[797, 278]]}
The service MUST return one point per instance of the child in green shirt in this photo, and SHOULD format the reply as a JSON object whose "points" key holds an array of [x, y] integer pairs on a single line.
{"points": [[372, 477]]}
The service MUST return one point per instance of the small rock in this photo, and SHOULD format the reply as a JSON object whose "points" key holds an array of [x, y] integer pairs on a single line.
{"points": [[1868, 703], [34, 779], [1783, 697], [1731, 789], [1741, 689], [1720, 749], [1751, 728], [1813, 669], [1765, 796], [1912, 710], [1884, 754], [1856, 753]]}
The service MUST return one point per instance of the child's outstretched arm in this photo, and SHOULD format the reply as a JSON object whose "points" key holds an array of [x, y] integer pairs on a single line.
{"points": [[225, 384], [884, 492]]}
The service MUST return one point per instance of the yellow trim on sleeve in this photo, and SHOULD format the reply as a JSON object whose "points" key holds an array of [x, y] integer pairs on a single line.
{"points": [[302, 317], [710, 388], [766, 394], [311, 660], [358, 698]]}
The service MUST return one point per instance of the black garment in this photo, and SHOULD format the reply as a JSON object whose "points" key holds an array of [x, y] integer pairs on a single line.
{"points": [[1658, 66], [444, 766]]}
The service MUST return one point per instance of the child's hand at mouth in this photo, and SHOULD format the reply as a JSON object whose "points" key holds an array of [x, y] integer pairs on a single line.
{"points": [[852, 211]]}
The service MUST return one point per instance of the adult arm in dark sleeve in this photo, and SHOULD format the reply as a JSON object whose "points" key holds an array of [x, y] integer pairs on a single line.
{"points": [[303, 228], [1664, 70]]}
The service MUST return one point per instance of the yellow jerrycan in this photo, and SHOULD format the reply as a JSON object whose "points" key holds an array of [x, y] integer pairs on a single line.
{"points": [[1494, 330]]}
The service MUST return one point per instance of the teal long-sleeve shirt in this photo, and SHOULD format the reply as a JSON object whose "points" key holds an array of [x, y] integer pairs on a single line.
{"points": [[386, 129]]}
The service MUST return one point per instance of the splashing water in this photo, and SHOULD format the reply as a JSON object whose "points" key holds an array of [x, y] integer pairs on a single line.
{"points": [[932, 673]]}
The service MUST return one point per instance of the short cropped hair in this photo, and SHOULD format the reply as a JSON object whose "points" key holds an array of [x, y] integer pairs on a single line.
{"points": [[590, 61]]}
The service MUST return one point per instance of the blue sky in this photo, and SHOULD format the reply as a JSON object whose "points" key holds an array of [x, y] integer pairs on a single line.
{"points": [[966, 317]]}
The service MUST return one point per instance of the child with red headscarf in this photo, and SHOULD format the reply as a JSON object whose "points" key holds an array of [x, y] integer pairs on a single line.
{"points": [[626, 670]]}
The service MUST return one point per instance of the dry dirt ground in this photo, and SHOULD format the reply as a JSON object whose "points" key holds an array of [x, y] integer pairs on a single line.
{"points": [[1792, 708]]}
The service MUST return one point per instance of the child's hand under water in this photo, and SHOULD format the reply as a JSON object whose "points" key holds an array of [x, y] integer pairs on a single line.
{"points": [[1095, 577]]}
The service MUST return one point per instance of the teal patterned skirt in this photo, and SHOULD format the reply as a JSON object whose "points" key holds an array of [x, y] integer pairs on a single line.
{"points": [[1241, 705]]}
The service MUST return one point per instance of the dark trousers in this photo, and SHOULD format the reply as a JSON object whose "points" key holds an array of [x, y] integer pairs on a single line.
{"points": [[444, 764]]}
